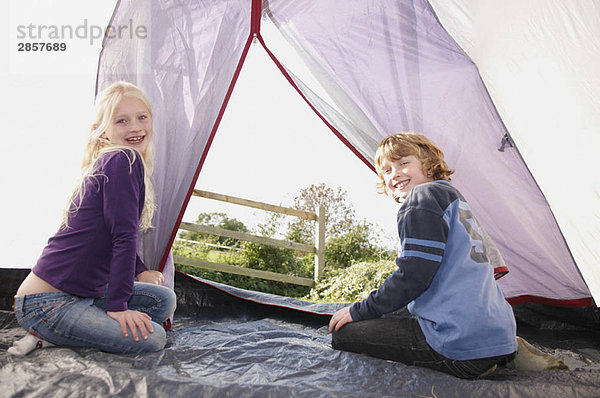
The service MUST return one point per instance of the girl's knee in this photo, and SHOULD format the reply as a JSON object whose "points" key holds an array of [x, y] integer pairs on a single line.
{"points": [[170, 301], [168, 304], [156, 341]]}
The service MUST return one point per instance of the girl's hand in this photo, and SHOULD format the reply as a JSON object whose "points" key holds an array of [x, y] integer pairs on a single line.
{"points": [[134, 320], [339, 319], [155, 277]]}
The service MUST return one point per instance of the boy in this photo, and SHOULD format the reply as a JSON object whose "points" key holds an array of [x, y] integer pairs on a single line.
{"points": [[457, 321]]}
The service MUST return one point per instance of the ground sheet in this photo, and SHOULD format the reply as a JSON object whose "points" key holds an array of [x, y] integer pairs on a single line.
{"points": [[230, 342]]}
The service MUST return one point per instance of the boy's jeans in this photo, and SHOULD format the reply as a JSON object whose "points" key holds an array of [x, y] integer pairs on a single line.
{"points": [[400, 339], [68, 320]]}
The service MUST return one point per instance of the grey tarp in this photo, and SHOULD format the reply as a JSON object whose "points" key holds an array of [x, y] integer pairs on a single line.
{"points": [[230, 342]]}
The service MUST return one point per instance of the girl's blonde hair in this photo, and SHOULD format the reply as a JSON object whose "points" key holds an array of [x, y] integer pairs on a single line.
{"points": [[97, 145], [400, 145]]}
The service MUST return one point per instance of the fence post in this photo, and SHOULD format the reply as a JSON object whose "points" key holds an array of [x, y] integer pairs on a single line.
{"points": [[320, 243]]}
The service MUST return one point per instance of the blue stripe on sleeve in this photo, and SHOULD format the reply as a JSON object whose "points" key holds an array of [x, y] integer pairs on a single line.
{"points": [[426, 243], [426, 256]]}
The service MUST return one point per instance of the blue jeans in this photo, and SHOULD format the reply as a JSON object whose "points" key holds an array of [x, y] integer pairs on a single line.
{"points": [[67, 320]]}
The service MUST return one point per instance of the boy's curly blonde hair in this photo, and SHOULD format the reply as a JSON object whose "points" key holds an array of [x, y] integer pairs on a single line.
{"points": [[400, 145]]}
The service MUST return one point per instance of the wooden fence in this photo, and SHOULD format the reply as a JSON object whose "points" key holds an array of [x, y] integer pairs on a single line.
{"points": [[318, 248]]}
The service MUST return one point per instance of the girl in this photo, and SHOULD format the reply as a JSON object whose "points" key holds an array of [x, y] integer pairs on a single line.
{"points": [[81, 292]]}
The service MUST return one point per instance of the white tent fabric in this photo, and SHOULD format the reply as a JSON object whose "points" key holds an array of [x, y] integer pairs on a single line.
{"points": [[388, 66], [540, 61]]}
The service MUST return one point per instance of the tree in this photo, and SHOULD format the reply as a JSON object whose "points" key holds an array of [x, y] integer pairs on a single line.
{"points": [[348, 240], [270, 258], [340, 217], [344, 250], [220, 220]]}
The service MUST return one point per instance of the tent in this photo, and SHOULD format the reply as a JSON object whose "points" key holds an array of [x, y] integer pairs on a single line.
{"points": [[463, 72], [509, 91]]}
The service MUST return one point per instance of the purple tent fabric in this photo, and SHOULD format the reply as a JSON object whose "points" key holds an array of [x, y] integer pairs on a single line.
{"points": [[388, 65], [395, 61], [185, 65]]}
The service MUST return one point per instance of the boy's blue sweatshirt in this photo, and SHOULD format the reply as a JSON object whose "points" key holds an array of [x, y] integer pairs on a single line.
{"points": [[444, 277]]}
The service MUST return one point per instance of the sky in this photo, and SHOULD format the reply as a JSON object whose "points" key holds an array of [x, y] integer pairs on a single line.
{"points": [[269, 145]]}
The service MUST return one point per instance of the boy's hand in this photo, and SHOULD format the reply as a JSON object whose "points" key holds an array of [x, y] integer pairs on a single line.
{"points": [[134, 320], [339, 319], [154, 277]]}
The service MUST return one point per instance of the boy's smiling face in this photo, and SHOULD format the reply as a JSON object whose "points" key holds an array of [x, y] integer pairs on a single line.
{"points": [[402, 175]]}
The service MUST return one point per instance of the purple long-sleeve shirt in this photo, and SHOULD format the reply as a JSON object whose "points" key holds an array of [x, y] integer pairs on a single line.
{"points": [[99, 247]]}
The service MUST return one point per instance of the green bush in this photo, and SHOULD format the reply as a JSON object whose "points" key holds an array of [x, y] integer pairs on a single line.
{"points": [[250, 255], [353, 283], [190, 249], [274, 259], [349, 284], [354, 246]]}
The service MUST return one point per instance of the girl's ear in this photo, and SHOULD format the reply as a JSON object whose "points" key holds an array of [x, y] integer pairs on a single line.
{"points": [[94, 127], [103, 135]]}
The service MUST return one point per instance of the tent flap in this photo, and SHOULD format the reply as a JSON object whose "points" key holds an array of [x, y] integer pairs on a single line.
{"points": [[397, 65]]}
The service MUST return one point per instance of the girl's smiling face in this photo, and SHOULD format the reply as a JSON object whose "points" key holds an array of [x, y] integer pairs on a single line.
{"points": [[131, 125], [402, 175]]}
